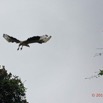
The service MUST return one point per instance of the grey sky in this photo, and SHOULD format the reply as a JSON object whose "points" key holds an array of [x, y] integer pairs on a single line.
{"points": [[55, 71]]}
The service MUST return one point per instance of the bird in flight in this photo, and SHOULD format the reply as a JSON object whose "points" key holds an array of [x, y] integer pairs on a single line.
{"points": [[34, 39]]}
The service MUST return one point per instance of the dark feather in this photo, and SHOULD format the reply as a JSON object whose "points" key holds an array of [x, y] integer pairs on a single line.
{"points": [[34, 39], [10, 38]]}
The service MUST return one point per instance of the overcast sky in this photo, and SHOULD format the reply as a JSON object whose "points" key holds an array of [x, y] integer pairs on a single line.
{"points": [[55, 71]]}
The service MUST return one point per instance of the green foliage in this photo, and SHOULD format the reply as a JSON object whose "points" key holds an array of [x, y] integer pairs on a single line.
{"points": [[100, 73], [12, 90]]}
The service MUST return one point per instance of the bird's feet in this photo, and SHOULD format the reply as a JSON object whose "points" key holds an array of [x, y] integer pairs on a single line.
{"points": [[21, 48], [17, 48]]}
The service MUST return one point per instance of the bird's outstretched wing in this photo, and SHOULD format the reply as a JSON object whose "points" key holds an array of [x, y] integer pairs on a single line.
{"points": [[11, 39], [45, 38], [37, 39], [33, 39]]}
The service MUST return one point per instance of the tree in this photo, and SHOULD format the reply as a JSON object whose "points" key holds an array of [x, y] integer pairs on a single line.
{"points": [[100, 73], [12, 89]]}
